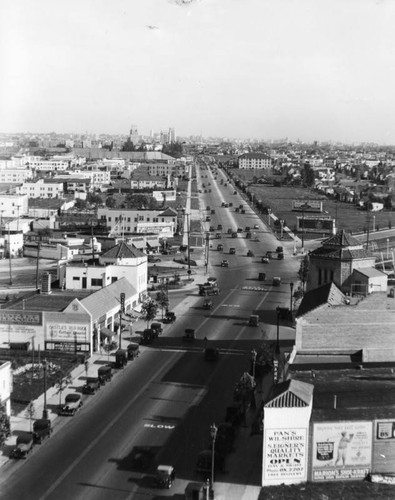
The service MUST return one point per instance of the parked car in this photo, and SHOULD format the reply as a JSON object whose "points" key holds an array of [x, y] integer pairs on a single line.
{"points": [[265, 260], [250, 253], [189, 334], [165, 476], [91, 386], [220, 247], [204, 461], [121, 358], [24, 445], [147, 337], [133, 350], [152, 258], [170, 317], [41, 429], [254, 320], [157, 328], [225, 263], [208, 304], [105, 374], [211, 354], [232, 251], [256, 226], [72, 403]]}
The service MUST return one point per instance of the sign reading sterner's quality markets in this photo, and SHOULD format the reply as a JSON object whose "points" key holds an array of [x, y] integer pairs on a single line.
{"points": [[285, 454], [341, 450]]}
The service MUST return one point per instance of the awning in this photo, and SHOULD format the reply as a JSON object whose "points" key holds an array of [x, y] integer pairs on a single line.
{"points": [[106, 332], [138, 243], [152, 242]]}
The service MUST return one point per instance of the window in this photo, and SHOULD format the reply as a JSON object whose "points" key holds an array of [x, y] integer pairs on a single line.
{"points": [[76, 278], [319, 276], [332, 275], [96, 282]]}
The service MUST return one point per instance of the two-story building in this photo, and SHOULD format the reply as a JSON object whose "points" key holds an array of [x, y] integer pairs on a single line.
{"points": [[255, 161], [123, 221]]}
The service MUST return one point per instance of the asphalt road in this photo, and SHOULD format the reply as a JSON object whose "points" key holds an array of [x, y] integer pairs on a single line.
{"points": [[164, 402]]}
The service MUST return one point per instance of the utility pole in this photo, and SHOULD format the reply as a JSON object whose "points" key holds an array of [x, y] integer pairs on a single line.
{"points": [[9, 253], [37, 263]]}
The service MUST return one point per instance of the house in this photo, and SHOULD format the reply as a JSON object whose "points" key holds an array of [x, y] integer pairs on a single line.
{"points": [[254, 161]]}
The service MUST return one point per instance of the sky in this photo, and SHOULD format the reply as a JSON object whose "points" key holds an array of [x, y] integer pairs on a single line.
{"points": [[267, 69]]}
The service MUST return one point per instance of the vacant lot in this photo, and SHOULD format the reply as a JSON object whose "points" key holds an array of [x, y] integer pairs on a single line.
{"points": [[348, 216]]}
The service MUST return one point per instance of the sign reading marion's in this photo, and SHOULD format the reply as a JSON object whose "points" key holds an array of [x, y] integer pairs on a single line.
{"points": [[285, 452], [341, 450]]}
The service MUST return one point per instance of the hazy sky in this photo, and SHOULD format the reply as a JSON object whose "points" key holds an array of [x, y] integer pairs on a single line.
{"points": [[308, 69]]}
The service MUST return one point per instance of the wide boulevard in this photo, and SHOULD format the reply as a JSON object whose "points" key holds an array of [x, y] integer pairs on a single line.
{"points": [[159, 409]]}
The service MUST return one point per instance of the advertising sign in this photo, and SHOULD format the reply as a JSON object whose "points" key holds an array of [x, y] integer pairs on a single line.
{"points": [[285, 452], [316, 224], [68, 332], [307, 206], [30, 318], [341, 450], [384, 446]]}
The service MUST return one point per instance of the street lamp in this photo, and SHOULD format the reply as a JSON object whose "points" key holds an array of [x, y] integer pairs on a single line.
{"points": [[388, 247], [291, 286], [253, 359], [213, 432], [278, 330], [269, 211], [45, 411]]}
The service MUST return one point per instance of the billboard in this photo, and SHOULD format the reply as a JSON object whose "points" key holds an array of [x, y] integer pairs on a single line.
{"points": [[20, 325], [325, 225], [384, 446], [285, 452], [341, 450], [307, 206]]}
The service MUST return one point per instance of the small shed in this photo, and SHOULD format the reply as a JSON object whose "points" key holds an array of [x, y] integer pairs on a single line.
{"points": [[368, 280]]}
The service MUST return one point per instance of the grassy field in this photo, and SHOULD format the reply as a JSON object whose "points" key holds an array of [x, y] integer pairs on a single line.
{"points": [[348, 216]]}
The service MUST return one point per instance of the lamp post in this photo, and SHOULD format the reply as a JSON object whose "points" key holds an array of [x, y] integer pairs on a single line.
{"points": [[253, 359], [45, 411], [189, 247], [213, 432], [278, 331], [374, 223], [291, 286], [269, 211], [388, 247]]}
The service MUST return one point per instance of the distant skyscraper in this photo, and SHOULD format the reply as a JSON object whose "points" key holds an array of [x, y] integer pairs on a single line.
{"points": [[172, 134], [134, 134]]}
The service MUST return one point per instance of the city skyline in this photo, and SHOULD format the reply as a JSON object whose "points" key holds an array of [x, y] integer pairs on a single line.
{"points": [[303, 70]]}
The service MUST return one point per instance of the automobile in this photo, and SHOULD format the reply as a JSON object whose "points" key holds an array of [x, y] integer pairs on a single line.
{"points": [[230, 204], [24, 445], [276, 281], [189, 334], [230, 230], [212, 280], [254, 320], [225, 263], [261, 276], [220, 247], [72, 403], [241, 207], [211, 354], [212, 212], [208, 218], [223, 204], [234, 192], [248, 235], [256, 226], [232, 251], [219, 227], [152, 258], [91, 386], [105, 374], [208, 207], [183, 248], [218, 236], [208, 289], [133, 350], [250, 253], [121, 358], [265, 260], [165, 476], [157, 328], [279, 250], [239, 229], [248, 228], [41, 429], [280, 256], [225, 438], [211, 229], [234, 235], [208, 304], [147, 337], [170, 317]]}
